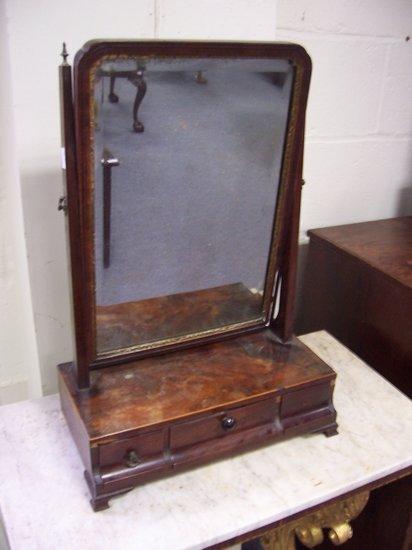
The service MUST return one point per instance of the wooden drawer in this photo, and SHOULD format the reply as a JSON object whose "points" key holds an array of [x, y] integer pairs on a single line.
{"points": [[131, 452], [223, 423], [299, 401]]}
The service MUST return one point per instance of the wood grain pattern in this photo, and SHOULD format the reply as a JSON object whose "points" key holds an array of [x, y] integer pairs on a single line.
{"points": [[155, 390], [74, 229], [385, 245], [210, 427], [132, 323], [170, 410], [358, 287]]}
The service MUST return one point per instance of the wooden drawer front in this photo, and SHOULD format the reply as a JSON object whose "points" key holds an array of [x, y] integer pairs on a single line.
{"points": [[145, 446], [305, 400], [210, 427]]}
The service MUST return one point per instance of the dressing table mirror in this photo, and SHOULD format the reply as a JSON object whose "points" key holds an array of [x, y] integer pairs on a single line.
{"points": [[183, 164]]}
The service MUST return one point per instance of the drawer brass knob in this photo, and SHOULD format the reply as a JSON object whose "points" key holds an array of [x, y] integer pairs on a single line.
{"points": [[228, 422], [132, 459]]}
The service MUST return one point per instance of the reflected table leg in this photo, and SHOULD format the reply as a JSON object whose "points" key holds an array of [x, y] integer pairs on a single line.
{"points": [[137, 79], [113, 98]]}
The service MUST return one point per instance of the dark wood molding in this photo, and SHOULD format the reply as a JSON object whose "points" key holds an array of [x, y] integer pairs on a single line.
{"points": [[283, 323], [74, 228]]}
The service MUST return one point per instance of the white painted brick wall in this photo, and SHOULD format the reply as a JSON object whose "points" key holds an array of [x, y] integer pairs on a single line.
{"points": [[358, 154], [373, 18], [35, 32], [396, 110], [358, 158], [19, 366], [216, 19]]}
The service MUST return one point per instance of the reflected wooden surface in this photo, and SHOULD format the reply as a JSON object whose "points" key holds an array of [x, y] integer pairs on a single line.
{"points": [[132, 323]]}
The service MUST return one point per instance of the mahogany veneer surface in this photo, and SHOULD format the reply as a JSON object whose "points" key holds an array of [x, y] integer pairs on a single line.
{"points": [[358, 286], [133, 323], [159, 389], [384, 244]]}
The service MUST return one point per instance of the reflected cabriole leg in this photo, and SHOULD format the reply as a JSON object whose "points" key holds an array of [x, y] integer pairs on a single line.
{"points": [[140, 83]]}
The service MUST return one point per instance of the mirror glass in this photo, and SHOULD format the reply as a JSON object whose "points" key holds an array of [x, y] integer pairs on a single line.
{"points": [[187, 159]]}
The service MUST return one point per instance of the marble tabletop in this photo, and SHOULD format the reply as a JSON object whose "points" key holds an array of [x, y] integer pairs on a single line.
{"points": [[44, 500]]}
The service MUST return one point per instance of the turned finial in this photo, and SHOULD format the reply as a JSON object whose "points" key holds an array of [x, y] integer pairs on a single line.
{"points": [[64, 54]]}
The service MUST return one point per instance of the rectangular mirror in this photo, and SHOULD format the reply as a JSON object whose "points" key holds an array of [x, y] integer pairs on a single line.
{"points": [[187, 166]]}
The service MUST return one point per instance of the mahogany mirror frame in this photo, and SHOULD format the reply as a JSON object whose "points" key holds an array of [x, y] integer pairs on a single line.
{"points": [[77, 116]]}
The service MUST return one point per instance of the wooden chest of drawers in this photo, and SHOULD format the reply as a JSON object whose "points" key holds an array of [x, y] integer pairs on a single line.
{"points": [[358, 286]]}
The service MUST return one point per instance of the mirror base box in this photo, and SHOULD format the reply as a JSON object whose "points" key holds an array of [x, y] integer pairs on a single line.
{"points": [[146, 419]]}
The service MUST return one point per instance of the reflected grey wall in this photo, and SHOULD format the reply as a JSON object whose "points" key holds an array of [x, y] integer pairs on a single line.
{"points": [[194, 195]]}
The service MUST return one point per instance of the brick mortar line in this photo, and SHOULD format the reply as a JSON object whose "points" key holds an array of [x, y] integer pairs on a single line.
{"points": [[386, 62], [341, 37]]}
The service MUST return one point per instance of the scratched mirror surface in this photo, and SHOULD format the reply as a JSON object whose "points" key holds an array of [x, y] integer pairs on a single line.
{"points": [[187, 161]]}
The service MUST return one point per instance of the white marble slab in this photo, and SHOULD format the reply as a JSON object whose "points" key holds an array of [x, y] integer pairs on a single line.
{"points": [[44, 500]]}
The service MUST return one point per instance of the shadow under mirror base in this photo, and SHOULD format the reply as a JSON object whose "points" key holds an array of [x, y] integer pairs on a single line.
{"points": [[147, 418]]}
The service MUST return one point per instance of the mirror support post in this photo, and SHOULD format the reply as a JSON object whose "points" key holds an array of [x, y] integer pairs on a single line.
{"points": [[72, 192], [283, 324]]}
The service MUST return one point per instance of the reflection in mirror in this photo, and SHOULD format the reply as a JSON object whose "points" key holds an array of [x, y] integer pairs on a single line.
{"points": [[187, 156]]}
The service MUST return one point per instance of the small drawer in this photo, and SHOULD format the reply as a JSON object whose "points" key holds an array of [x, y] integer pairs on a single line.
{"points": [[299, 401], [223, 423], [131, 452]]}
